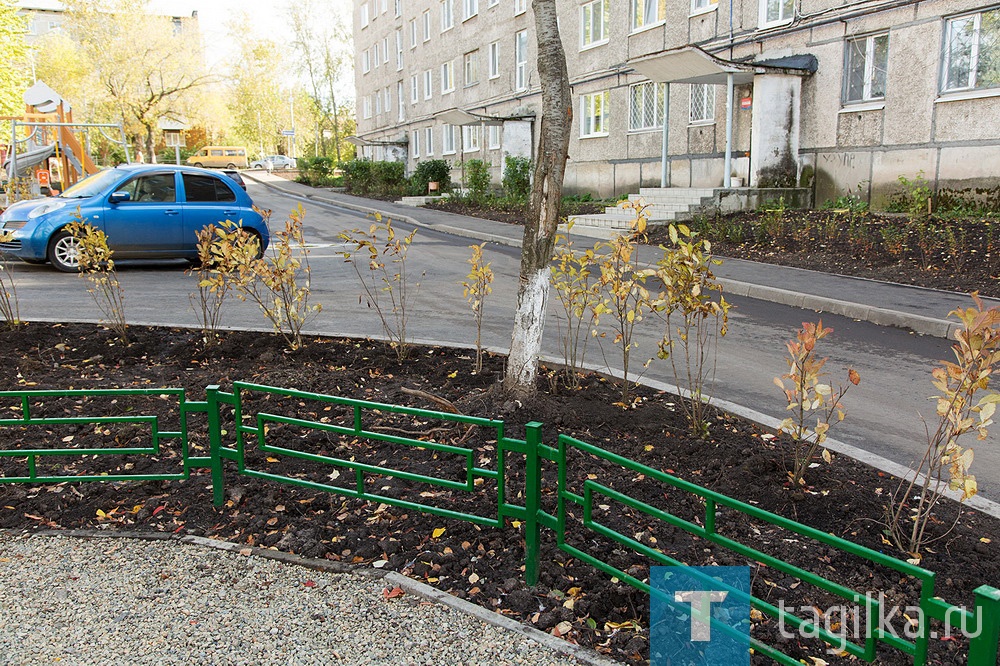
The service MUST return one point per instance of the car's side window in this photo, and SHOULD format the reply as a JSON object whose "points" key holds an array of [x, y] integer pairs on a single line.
{"points": [[198, 187], [155, 188]]}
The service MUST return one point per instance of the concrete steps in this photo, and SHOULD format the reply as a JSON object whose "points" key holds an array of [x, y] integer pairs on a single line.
{"points": [[662, 206]]}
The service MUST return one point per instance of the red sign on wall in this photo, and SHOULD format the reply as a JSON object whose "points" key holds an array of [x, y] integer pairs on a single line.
{"points": [[746, 103]]}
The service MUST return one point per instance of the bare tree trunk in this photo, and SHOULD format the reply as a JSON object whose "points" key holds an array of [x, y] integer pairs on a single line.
{"points": [[543, 214]]}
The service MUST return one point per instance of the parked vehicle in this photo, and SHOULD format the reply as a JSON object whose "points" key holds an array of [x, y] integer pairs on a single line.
{"points": [[229, 157], [146, 210], [277, 162]]}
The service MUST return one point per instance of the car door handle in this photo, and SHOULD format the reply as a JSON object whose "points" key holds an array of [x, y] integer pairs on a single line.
{"points": [[230, 212], [171, 211]]}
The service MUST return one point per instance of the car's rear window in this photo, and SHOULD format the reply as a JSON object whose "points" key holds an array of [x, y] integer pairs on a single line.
{"points": [[198, 187]]}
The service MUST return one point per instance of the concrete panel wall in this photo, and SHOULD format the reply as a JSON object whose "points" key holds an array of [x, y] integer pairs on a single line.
{"points": [[841, 173], [888, 166], [774, 140]]}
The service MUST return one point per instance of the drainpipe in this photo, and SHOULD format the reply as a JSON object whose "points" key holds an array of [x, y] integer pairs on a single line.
{"points": [[664, 164], [727, 179]]}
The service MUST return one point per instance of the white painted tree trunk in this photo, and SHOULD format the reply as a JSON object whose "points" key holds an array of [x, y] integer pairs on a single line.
{"points": [[546, 195], [529, 320]]}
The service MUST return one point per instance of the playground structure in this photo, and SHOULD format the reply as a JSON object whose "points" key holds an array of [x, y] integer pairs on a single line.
{"points": [[48, 150]]}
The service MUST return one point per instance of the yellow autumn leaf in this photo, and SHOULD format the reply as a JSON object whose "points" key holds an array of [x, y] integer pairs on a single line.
{"points": [[271, 460], [438, 532], [453, 375], [101, 514]]}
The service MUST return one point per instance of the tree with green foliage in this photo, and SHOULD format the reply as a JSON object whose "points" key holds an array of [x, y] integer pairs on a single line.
{"points": [[146, 65], [14, 55], [257, 103]]}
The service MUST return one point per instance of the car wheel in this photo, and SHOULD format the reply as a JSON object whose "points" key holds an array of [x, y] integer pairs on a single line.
{"points": [[255, 237], [230, 166], [199, 165], [288, 166], [64, 252]]}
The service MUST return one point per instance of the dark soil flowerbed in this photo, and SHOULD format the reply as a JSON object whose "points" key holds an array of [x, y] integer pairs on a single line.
{"points": [[482, 564]]}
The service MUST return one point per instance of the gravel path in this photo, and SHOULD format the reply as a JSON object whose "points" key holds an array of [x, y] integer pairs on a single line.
{"points": [[125, 601]]}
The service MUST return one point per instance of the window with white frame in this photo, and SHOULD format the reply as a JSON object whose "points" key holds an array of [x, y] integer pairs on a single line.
{"points": [[971, 58], [492, 3], [646, 106], [471, 68], [378, 103], [366, 106], [520, 6], [414, 88], [385, 50], [448, 140], [399, 50], [385, 6], [428, 91], [427, 25], [415, 143], [447, 77], [375, 55], [470, 138], [775, 12], [700, 6], [400, 101], [594, 23], [428, 141], [364, 15], [494, 60], [447, 15], [414, 33], [471, 9], [387, 96], [521, 60], [650, 12], [865, 64], [594, 114], [399, 8], [702, 103], [493, 137], [366, 64]]}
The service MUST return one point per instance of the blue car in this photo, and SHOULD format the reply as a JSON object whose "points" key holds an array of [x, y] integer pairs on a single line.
{"points": [[148, 211]]}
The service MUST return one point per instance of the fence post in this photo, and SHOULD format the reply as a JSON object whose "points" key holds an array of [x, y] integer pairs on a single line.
{"points": [[983, 649], [215, 443], [532, 500]]}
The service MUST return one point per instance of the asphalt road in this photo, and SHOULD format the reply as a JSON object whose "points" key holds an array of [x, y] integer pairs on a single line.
{"points": [[884, 412]]}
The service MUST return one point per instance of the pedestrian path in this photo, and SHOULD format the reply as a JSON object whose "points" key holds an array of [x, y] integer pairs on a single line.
{"points": [[918, 309]]}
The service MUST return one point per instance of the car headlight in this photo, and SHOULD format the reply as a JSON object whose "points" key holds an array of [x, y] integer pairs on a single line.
{"points": [[46, 207]]}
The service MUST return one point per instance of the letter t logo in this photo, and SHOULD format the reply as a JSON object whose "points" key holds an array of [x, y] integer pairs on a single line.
{"points": [[701, 611]]}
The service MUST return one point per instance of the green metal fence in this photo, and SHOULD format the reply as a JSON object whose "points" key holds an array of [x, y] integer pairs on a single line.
{"points": [[253, 432]]}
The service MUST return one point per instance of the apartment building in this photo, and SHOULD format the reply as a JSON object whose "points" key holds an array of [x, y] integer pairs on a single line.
{"points": [[837, 96]]}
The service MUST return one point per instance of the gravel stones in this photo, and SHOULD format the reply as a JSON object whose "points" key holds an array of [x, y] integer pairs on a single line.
{"points": [[128, 601]]}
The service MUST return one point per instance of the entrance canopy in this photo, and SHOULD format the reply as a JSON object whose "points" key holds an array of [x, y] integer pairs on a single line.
{"points": [[690, 64]]}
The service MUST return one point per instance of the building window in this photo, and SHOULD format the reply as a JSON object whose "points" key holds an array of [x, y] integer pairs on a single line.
{"points": [[594, 114], [471, 68], [427, 25], [366, 107], [702, 103], [447, 15], [471, 9], [594, 23], [414, 32], [428, 141], [867, 59], [378, 104], [375, 55], [776, 12], [494, 60], [470, 138], [414, 88], [388, 99], [520, 6], [385, 6], [364, 15], [366, 63], [492, 3], [649, 12], [399, 50], [521, 60], [428, 93], [447, 77], [972, 52], [701, 6], [401, 101], [493, 137], [415, 143], [646, 106], [399, 8], [448, 140]]}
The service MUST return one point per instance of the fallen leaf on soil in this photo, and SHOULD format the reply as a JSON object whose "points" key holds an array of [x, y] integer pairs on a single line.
{"points": [[393, 593], [438, 531]]}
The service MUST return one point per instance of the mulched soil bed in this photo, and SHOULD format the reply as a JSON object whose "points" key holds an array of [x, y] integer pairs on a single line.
{"points": [[478, 563]]}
